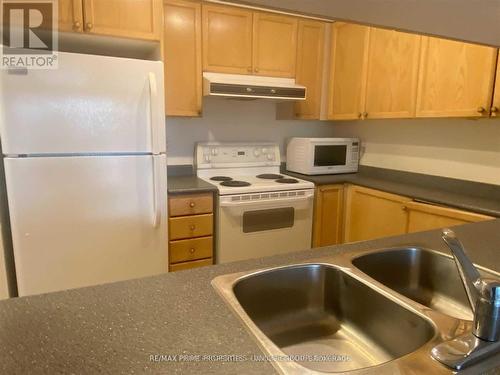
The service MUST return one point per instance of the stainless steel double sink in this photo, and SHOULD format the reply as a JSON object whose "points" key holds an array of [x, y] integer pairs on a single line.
{"points": [[379, 311]]}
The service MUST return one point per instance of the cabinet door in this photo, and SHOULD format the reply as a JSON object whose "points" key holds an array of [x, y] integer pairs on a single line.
{"points": [[182, 58], [495, 108], [274, 44], [349, 55], [139, 19], [423, 217], [310, 55], [373, 214], [70, 14], [328, 215], [227, 39], [391, 87], [455, 80]]}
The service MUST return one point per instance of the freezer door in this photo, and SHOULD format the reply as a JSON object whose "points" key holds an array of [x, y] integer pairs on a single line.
{"points": [[79, 221], [90, 104]]}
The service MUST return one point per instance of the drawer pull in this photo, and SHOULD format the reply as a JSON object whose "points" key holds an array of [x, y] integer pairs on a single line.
{"points": [[192, 227], [192, 250], [192, 204]]}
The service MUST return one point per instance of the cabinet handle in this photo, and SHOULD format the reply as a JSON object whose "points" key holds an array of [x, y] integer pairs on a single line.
{"points": [[365, 114], [192, 250], [481, 109], [192, 204], [249, 89], [249, 69], [404, 208], [256, 70], [360, 115], [76, 25], [192, 227], [494, 109], [89, 26]]}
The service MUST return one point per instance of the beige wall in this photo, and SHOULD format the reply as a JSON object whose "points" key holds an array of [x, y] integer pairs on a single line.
{"points": [[457, 148], [235, 120]]}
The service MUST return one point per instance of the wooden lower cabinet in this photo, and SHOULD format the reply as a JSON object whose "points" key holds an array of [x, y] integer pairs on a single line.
{"points": [[190, 228], [423, 216], [373, 214], [191, 249], [189, 265], [349, 213], [328, 215]]}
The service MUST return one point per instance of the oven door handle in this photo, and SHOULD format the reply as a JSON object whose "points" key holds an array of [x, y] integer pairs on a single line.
{"points": [[263, 201]]}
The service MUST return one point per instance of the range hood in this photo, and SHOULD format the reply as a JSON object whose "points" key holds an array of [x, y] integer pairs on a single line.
{"points": [[255, 87]]}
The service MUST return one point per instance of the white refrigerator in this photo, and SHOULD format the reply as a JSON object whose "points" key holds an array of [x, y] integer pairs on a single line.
{"points": [[85, 166]]}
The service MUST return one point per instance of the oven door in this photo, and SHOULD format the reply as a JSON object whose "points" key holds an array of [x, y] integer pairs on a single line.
{"points": [[259, 228]]}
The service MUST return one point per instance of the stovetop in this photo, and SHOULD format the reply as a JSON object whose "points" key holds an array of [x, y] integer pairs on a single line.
{"points": [[257, 184], [235, 168]]}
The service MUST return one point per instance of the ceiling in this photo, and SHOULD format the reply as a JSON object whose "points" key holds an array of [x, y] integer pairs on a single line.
{"points": [[468, 20]]}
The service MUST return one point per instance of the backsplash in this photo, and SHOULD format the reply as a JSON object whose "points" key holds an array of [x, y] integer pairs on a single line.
{"points": [[456, 148], [239, 121]]}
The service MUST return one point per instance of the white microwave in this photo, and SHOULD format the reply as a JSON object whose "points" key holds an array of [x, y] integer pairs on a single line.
{"points": [[322, 155]]}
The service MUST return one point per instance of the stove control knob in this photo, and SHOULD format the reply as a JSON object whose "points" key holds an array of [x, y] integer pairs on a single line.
{"points": [[270, 156], [256, 152], [207, 158], [264, 150], [215, 152]]}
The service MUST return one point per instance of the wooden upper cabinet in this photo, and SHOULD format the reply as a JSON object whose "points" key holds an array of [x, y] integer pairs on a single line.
{"points": [[309, 71], [139, 19], [391, 86], [182, 58], [495, 108], [274, 44], [349, 53], [70, 15], [373, 214], [227, 39], [422, 216], [328, 215], [455, 80]]}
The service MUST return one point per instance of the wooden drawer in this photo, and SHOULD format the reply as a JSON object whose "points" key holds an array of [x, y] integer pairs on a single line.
{"points": [[188, 265], [190, 226], [187, 250], [190, 204]]}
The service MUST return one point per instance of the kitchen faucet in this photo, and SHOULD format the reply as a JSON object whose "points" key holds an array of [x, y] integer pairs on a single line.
{"points": [[484, 298]]}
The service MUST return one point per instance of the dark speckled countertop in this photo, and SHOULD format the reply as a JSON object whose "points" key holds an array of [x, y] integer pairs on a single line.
{"points": [[116, 328], [466, 195]]}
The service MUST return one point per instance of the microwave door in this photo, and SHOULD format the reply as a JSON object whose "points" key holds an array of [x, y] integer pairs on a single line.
{"points": [[330, 155]]}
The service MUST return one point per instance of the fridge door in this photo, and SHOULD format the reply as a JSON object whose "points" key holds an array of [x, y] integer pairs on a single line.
{"points": [[79, 221], [90, 104]]}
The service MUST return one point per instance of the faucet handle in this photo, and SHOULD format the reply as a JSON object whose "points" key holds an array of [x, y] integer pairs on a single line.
{"points": [[490, 290]]}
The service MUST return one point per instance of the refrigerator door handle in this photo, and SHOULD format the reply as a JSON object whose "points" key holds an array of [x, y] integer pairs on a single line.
{"points": [[156, 192], [153, 107]]}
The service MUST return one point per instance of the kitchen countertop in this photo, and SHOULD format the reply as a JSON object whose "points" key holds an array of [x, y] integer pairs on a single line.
{"points": [[188, 184], [115, 328], [465, 195]]}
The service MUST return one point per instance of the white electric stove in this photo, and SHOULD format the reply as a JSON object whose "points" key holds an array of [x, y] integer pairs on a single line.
{"points": [[260, 211]]}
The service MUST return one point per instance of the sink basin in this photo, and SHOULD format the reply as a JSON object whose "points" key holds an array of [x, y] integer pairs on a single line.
{"points": [[425, 276], [318, 309]]}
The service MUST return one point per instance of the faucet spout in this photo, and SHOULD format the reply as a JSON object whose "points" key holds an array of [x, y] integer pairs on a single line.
{"points": [[468, 273]]}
